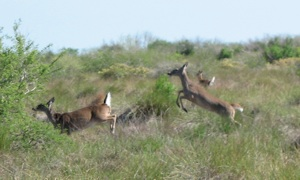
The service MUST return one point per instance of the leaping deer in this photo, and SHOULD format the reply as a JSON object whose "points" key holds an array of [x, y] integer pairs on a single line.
{"points": [[83, 117], [94, 113], [204, 82], [198, 95]]}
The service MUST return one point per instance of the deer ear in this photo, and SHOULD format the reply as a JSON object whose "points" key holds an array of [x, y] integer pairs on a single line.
{"points": [[184, 66]]}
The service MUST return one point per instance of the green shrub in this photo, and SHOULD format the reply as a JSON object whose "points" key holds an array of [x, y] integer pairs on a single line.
{"points": [[22, 72], [161, 45], [95, 60], [225, 53], [185, 47], [160, 99], [27, 133], [278, 48]]}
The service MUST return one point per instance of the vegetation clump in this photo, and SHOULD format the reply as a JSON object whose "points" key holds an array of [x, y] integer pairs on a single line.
{"points": [[280, 48], [119, 71], [225, 53], [158, 101], [159, 45], [185, 47], [21, 71], [288, 62]]}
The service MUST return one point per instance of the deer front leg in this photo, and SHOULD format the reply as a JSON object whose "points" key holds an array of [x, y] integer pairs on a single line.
{"points": [[62, 126], [232, 118], [179, 92], [235, 122], [69, 130], [113, 123], [182, 107]]}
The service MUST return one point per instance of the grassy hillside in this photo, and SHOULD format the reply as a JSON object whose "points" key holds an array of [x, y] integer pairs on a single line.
{"points": [[158, 140]]}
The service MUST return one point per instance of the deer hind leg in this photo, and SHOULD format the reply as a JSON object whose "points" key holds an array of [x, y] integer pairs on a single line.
{"points": [[65, 123], [112, 119], [232, 114], [62, 126], [69, 130]]}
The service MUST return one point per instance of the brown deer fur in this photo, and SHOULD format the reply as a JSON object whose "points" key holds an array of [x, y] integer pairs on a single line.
{"points": [[204, 82], [96, 112], [198, 95]]}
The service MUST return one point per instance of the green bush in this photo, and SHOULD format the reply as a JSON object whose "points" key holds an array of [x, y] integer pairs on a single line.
{"points": [[27, 133], [160, 45], [97, 59], [225, 53], [278, 48], [185, 47], [160, 99], [22, 72]]}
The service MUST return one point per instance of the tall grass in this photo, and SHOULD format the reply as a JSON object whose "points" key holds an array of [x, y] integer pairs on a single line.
{"points": [[169, 144]]}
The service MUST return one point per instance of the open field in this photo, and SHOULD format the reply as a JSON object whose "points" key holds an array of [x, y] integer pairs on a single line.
{"points": [[158, 140]]}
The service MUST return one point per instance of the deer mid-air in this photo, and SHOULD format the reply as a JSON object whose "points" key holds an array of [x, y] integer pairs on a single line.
{"points": [[204, 82], [94, 113], [198, 95]]}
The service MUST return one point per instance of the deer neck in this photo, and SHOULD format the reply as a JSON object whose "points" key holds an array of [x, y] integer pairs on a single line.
{"points": [[49, 115], [185, 81]]}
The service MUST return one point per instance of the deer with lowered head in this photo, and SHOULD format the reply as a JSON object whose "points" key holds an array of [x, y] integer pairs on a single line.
{"points": [[97, 112], [197, 94], [47, 110]]}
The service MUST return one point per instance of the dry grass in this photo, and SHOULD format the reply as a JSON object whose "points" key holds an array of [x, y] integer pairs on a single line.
{"points": [[194, 145]]}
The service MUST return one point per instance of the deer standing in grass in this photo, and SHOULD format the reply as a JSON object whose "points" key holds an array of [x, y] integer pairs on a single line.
{"points": [[198, 95], [204, 82]]}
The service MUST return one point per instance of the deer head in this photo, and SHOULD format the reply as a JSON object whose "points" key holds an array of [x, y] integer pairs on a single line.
{"points": [[47, 110]]}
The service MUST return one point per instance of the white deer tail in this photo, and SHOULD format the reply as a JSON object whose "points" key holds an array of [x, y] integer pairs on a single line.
{"points": [[107, 99], [212, 81], [237, 107]]}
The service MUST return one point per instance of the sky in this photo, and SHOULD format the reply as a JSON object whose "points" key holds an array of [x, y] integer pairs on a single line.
{"points": [[86, 24]]}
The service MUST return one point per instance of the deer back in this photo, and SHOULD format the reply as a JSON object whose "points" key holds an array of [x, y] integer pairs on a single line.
{"points": [[199, 95]]}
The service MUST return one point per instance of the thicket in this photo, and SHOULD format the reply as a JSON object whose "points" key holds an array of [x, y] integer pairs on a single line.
{"points": [[225, 53], [22, 74], [159, 100], [183, 47], [279, 48]]}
